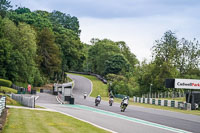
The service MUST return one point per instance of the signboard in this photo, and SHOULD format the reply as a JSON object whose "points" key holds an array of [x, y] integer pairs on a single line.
{"points": [[187, 83], [29, 88]]}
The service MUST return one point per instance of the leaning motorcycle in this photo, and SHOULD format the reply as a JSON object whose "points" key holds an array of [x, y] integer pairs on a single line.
{"points": [[124, 105], [97, 101], [85, 95], [111, 100]]}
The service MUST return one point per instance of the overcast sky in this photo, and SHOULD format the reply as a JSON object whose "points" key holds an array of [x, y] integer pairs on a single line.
{"points": [[137, 22]]}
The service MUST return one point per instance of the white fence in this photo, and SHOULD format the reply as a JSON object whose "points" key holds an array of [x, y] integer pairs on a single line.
{"points": [[28, 101], [164, 95], [169, 103], [2, 104]]}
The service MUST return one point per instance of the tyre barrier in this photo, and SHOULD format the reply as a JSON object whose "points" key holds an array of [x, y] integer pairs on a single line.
{"points": [[168, 103]]}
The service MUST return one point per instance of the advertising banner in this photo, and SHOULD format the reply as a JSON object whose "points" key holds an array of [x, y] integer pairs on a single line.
{"points": [[187, 83]]}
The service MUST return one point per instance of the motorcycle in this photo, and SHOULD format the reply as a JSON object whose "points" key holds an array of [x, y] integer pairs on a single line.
{"points": [[124, 105], [111, 100], [85, 95], [97, 101]]}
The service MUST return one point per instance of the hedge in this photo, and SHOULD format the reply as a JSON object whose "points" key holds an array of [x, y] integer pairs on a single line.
{"points": [[6, 83], [7, 90]]}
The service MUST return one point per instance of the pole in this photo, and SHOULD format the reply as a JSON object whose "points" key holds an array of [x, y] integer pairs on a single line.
{"points": [[150, 90]]}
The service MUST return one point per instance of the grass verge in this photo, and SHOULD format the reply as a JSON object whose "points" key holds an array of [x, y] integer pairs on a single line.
{"points": [[34, 121], [10, 101]]}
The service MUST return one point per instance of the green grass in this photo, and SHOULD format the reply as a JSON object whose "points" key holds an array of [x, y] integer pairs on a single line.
{"points": [[7, 90], [99, 88], [69, 79], [10, 101], [33, 121]]}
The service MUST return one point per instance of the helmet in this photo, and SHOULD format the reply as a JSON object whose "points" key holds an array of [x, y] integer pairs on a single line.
{"points": [[125, 97]]}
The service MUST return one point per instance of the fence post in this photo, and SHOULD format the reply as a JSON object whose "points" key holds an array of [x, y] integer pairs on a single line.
{"points": [[5, 101]]}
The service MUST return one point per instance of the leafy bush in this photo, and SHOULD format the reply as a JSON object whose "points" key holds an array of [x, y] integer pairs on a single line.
{"points": [[7, 90], [6, 83], [123, 85]]}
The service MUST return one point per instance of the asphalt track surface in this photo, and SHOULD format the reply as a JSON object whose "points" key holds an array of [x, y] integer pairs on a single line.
{"points": [[134, 119]]}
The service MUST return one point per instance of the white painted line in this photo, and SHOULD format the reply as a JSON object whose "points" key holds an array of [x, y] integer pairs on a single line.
{"points": [[136, 120], [37, 97], [90, 86], [58, 100]]}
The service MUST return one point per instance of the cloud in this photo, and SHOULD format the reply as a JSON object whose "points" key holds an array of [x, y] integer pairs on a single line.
{"points": [[115, 8], [139, 34]]}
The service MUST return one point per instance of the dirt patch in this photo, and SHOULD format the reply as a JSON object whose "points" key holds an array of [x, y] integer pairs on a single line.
{"points": [[47, 87], [3, 118]]}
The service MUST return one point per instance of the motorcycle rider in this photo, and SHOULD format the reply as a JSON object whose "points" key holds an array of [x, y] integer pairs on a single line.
{"points": [[124, 101], [98, 98], [111, 99], [85, 95]]}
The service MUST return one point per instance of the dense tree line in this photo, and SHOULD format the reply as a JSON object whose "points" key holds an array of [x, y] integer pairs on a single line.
{"points": [[39, 46], [171, 58]]}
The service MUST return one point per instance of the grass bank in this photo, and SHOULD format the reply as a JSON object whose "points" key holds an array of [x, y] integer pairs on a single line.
{"points": [[10, 101], [34, 121]]}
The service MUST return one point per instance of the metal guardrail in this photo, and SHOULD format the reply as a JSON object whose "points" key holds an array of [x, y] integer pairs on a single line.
{"points": [[2, 104], [28, 101]]}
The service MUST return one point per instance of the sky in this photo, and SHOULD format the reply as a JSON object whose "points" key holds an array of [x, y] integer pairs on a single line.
{"points": [[137, 22]]}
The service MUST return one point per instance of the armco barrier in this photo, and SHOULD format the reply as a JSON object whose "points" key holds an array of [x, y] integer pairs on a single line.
{"points": [[2, 104], [28, 101], [169, 103]]}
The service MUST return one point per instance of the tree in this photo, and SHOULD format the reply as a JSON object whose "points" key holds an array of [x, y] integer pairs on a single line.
{"points": [[189, 54], [121, 85], [61, 19], [116, 64], [48, 53], [100, 52], [36, 19], [22, 10], [5, 49], [71, 49], [125, 50], [166, 54], [4, 6], [21, 65]]}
